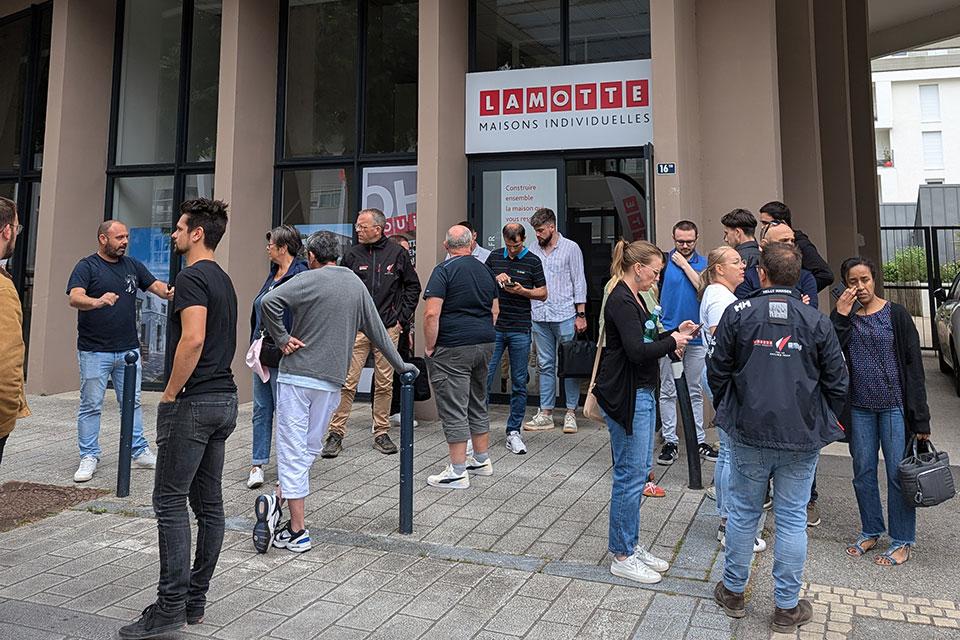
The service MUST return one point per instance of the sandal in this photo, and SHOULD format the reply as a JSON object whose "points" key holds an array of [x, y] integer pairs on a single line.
{"points": [[856, 549], [891, 561]]}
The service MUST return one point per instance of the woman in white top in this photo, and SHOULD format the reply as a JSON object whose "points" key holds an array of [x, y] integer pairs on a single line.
{"points": [[723, 274]]}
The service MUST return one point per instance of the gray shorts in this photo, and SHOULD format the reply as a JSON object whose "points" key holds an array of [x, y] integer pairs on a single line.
{"points": [[459, 379]]}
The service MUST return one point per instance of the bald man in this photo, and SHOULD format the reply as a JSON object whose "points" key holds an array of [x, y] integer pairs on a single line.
{"points": [[103, 288], [778, 232]]}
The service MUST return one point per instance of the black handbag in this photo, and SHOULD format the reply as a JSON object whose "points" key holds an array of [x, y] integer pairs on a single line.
{"points": [[270, 353], [421, 386], [576, 358], [925, 478]]}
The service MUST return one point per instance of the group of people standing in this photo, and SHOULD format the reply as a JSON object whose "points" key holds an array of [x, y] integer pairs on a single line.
{"points": [[785, 380]]}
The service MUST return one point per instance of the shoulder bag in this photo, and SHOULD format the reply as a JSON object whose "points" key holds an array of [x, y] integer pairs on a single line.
{"points": [[575, 357], [925, 478], [591, 410]]}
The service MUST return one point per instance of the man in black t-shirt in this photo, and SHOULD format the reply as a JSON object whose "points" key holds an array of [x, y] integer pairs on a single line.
{"points": [[197, 412], [519, 273], [458, 319], [103, 288]]}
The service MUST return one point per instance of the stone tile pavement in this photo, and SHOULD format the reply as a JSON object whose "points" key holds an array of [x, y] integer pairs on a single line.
{"points": [[521, 554]]}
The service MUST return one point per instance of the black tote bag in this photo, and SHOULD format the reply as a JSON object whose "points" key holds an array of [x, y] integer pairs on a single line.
{"points": [[576, 358], [925, 478]]}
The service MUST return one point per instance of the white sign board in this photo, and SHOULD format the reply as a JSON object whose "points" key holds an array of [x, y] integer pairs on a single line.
{"points": [[583, 106], [523, 192]]}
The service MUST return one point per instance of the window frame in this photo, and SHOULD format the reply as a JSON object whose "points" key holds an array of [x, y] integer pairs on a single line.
{"points": [[180, 169], [360, 158]]}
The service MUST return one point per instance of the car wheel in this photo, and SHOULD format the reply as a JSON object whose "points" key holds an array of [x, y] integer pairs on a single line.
{"points": [[944, 365], [956, 373]]}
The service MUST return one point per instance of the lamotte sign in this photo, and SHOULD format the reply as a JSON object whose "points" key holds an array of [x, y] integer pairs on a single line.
{"points": [[584, 106]]}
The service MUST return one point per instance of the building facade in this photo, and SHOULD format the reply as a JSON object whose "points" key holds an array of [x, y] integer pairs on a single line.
{"points": [[623, 115]]}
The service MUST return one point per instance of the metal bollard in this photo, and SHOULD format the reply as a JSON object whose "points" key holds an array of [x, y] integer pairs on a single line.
{"points": [[689, 425], [406, 453], [126, 423]]}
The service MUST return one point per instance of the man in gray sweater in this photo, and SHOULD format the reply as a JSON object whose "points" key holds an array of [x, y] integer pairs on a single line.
{"points": [[330, 304]]}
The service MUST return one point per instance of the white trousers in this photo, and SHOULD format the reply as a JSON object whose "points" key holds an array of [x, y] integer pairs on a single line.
{"points": [[303, 416], [693, 362]]}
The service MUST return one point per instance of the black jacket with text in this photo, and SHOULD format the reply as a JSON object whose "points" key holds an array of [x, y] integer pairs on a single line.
{"points": [[386, 271], [777, 373]]}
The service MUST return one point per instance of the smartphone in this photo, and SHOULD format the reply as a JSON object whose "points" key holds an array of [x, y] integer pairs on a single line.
{"points": [[838, 290], [508, 283], [696, 332]]}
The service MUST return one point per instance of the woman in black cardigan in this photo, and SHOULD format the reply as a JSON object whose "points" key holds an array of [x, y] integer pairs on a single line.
{"points": [[887, 399], [625, 393]]}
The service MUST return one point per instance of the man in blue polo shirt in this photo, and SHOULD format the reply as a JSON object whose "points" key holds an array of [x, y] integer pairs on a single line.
{"points": [[519, 275], [678, 302]]}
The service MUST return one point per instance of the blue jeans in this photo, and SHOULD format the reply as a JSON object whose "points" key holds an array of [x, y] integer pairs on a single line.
{"points": [[518, 346], [870, 431], [96, 368], [721, 471], [632, 459], [548, 336], [191, 440], [746, 492], [264, 403]]}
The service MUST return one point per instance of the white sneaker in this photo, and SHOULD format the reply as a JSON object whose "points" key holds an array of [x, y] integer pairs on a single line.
{"points": [[88, 465], [515, 443], [712, 492], [475, 468], [570, 422], [539, 422], [296, 541], [395, 421], [651, 560], [146, 460], [447, 479], [632, 569], [759, 544], [256, 478]]}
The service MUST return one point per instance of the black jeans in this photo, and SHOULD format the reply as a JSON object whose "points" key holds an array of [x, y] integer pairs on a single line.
{"points": [[191, 434], [3, 441]]}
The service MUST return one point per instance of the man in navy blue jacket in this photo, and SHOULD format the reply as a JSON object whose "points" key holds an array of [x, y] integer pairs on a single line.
{"points": [[775, 342], [806, 284]]}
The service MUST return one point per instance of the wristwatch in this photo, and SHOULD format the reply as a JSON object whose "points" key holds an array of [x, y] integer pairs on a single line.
{"points": [[581, 314]]}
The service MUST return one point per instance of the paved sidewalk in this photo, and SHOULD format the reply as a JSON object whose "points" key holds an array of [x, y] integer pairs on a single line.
{"points": [[520, 554]]}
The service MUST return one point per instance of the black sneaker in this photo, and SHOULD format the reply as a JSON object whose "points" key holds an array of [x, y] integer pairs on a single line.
{"points": [[194, 614], [384, 444], [668, 454], [707, 452], [154, 622], [333, 447]]}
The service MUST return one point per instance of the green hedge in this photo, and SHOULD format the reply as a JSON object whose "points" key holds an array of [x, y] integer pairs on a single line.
{"points": [[910, 265]]}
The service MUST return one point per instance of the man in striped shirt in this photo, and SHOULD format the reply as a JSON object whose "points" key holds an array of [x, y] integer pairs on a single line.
{"points": [[519, 274], [557, 319]]}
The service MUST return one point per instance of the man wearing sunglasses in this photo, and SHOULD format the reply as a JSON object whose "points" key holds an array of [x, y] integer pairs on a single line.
{"points": [[776, 211], [678, 301]]}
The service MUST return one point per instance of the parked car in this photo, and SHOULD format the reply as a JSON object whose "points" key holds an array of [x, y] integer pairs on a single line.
{"points": [[947, 319]]}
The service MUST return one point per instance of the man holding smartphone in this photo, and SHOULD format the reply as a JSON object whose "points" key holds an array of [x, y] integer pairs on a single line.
{"points": [[519, 274]]}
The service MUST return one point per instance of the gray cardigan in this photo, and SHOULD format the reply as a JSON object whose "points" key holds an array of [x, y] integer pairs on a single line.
{"points": [[330, 305]]}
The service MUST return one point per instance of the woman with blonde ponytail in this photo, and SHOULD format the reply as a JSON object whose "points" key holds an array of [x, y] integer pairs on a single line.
{"points": [[724, 272], [629, 368]]}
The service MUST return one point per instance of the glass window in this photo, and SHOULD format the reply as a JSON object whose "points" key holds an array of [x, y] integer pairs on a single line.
{"points": [[146, 206], [149, 82], [204, 81], [14, 50], [40, 97], [608, 30], [516, 35], [929, 103], [932, 149], [391, 80], [198, 186], [319, 199], [321, 82]]}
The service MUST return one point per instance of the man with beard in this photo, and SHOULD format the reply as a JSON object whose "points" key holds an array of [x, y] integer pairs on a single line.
{"points": [[558, 318], [196, 414], [678, 301], [103, 289], [13, 403]]}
